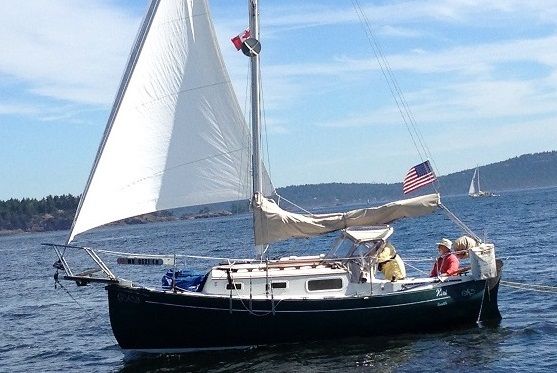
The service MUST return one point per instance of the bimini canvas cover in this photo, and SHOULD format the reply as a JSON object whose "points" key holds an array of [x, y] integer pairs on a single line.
{"points": [[273, 224], [365, 233], [176, 135]]}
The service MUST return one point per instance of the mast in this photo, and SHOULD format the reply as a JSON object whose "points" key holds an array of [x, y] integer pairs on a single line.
{"points": [[255, 99], [252, 48], [479, 189]]}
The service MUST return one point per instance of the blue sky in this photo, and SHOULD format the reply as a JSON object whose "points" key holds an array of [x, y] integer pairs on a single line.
{"points": [[480, 78]]}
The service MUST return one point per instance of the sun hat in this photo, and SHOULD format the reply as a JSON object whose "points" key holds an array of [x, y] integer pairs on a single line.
{"points": [[445, 242], [386, 254]]}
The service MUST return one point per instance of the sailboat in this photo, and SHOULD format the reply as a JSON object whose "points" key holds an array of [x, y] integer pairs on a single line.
{"points": [[176, 137], [474, 190]]}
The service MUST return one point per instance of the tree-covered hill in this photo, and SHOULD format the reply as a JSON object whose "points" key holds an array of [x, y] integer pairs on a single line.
{"points": [[527, 171], [47, 214]]}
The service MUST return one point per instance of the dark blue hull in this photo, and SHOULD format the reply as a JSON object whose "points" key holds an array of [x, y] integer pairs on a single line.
{"points": [[163, 321]]}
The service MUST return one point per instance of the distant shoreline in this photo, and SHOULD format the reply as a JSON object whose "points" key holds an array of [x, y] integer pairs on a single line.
{"points": [[528, 172], [11, 232], [153, 218], [137, 220]]}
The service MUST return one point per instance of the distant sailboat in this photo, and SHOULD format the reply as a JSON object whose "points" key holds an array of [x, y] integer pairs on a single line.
{"points": [[475, 190]]}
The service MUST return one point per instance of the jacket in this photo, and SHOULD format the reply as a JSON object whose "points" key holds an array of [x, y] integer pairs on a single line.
{"points": [[446, 265]]}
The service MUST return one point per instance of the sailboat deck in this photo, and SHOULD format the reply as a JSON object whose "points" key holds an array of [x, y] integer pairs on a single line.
{"points": [[281, 264]]}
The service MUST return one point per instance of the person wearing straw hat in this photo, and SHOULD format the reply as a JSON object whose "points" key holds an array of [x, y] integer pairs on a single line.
{"points": [[390, 263], [447, 263]]}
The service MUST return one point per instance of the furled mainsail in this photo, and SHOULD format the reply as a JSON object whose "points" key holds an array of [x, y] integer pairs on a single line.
{"points": [[274, 224], [176, 135]]}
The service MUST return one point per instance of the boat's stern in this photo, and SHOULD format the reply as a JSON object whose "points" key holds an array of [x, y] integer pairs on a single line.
{"points": [[484, 266], [489, 311]]}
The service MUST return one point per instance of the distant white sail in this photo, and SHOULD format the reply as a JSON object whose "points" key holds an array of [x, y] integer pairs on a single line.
{"points": [[472, 189], [273, 224], [176, 135]]}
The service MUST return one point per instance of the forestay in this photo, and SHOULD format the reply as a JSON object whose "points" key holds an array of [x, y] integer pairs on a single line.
{"points": [[273, 224], [176, 135]]}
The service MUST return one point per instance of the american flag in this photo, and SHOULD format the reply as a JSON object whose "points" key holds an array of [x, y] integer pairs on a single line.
{"points": [[418, 176]]}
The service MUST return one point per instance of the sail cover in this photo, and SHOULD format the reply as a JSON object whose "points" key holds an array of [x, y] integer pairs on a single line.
{"points": [[176, 135], [273, 224]]}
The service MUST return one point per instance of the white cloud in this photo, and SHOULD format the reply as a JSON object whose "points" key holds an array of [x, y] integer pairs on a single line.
{"points": [[399, 32], [11, 108], [68, 50], [469, 88], [308, 14]]}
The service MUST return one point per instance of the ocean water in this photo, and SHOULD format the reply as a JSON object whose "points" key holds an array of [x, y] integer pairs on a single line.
{"points": [[50, 329]]}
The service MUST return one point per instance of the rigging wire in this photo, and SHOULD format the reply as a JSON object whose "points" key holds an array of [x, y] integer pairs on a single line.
{"points": [[58, 283], [85, 310], [246, 103], [396, 92], [293, 204], [249, 306], [265, 130], [264, 124], [530, 287], [460, 223], [415, 268]]}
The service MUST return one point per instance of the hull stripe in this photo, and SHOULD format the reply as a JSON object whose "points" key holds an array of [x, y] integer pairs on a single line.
{"points": [[301, 311]]}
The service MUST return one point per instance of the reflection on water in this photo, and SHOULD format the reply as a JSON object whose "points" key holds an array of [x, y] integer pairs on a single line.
{"points": [[470, 348]]}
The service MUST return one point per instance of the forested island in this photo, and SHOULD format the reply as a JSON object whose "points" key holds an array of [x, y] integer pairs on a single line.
{"points": [[56, 212], [527, 171], [32, 215]]}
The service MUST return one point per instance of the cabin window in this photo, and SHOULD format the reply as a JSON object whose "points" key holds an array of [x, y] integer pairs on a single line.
{"points": [[234, 286], [328, 284], [277, 285]]}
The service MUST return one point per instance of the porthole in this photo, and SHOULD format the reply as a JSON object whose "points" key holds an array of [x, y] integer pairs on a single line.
{"points": [[277, 285], [234, 286]]}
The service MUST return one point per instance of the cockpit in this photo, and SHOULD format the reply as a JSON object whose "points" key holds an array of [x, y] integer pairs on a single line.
{"points": [[367, 251]]}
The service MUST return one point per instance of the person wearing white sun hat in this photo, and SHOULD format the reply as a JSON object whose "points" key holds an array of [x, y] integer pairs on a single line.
{"points": [[447, 263]]}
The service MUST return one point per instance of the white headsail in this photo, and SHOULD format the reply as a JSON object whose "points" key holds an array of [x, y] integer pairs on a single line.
{"points": [[472, 189], [176, 135]]}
